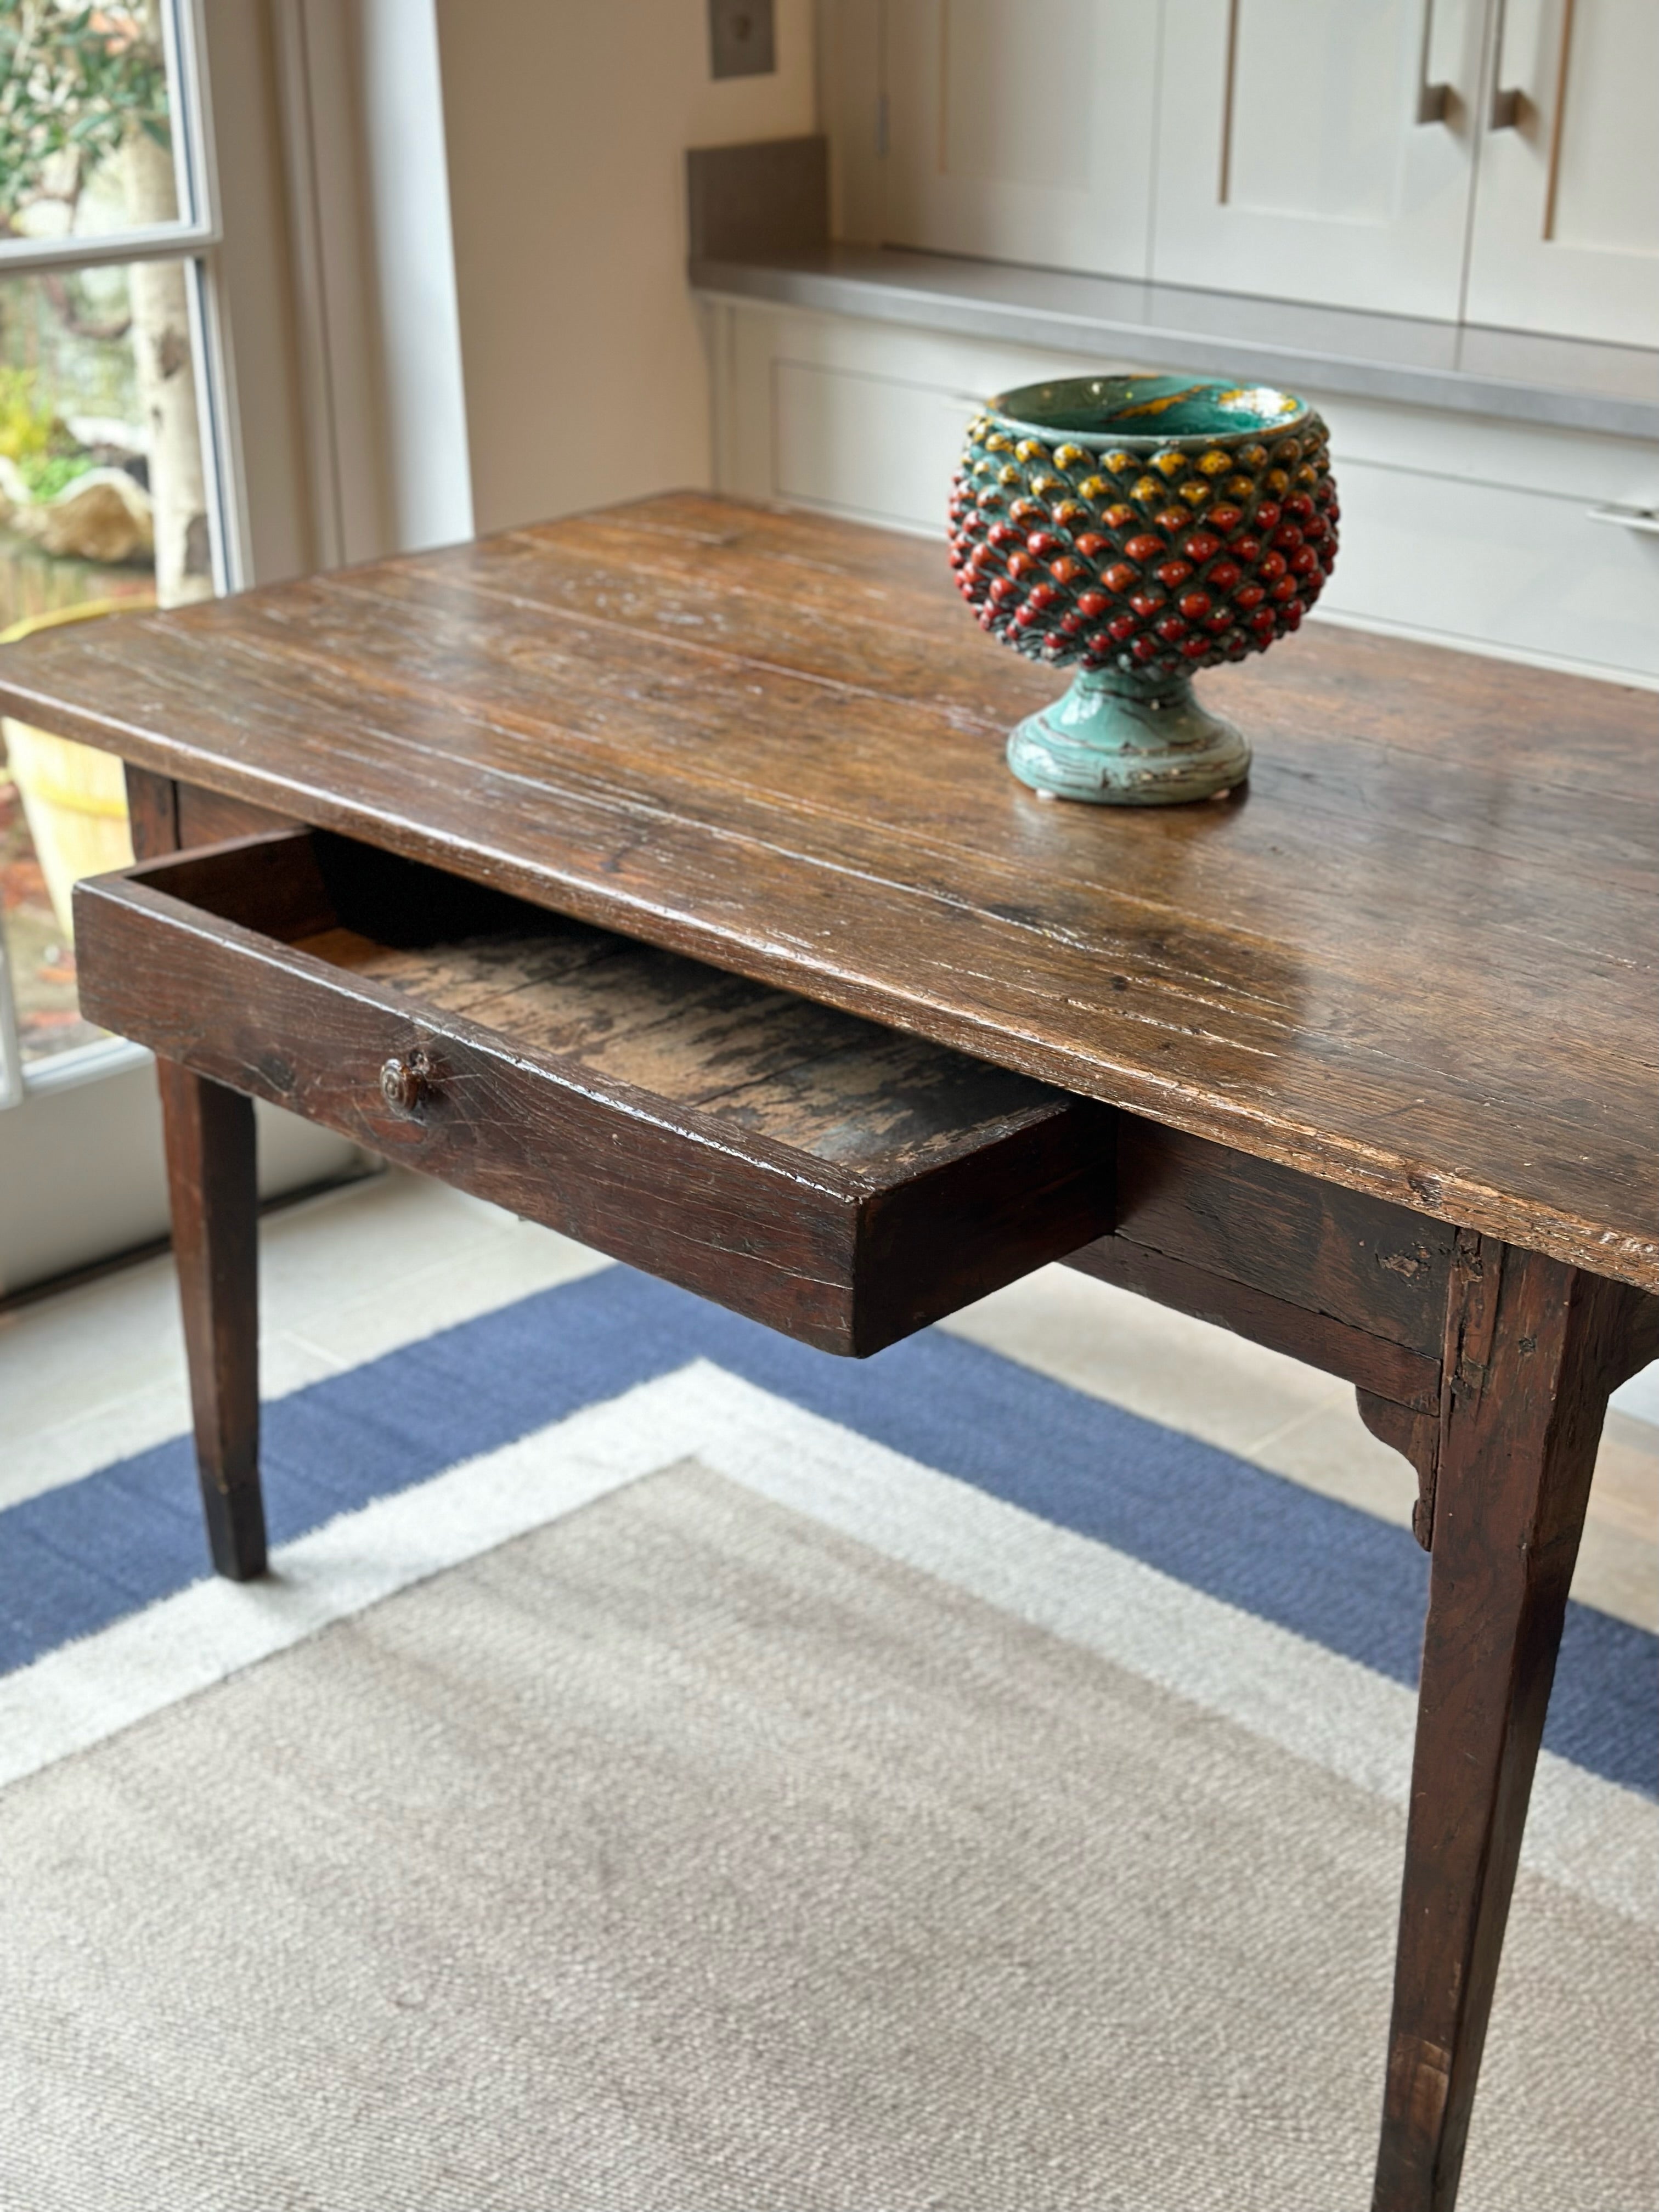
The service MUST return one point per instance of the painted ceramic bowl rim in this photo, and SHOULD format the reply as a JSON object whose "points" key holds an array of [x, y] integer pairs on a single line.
{"points": [[1003, 412]]}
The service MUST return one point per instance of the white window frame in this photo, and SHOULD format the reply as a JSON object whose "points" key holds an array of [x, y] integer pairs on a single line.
{"points": [[193, 238]]}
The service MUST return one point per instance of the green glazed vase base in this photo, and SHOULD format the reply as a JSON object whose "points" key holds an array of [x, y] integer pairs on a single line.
{"points": [[1122, 740]]}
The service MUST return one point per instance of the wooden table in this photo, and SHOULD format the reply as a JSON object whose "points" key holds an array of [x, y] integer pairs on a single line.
{"points": [[1359, 1062]]}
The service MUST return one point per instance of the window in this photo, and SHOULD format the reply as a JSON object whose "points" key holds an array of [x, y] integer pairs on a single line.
{"points": [[110, 473]]}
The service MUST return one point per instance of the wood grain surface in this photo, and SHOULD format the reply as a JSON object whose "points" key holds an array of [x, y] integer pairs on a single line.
{"points": [[832, 1086], [214, 1200], [1415, 956], [1533, 1349]]}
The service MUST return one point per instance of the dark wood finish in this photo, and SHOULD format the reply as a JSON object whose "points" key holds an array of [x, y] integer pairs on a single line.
{"points": [[1640, 1347], [1360, 1259], [169, 816], [1379, 1029], [152, 813], [1419, 1433], [1347, 1282], [1539, 1347], [213, 1194], [216, 1217], [207, 818], [1390, 1373], [1412, 960], [1415, 1434], [837, 1181]]}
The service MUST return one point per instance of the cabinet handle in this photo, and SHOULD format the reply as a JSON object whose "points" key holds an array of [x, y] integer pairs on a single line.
{"points": [[1433, 101], [1505, 110], [1627, 516]]}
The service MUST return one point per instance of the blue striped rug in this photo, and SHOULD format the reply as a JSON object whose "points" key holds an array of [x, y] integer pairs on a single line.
{"points": [[666, 1767], [77, 1559]]}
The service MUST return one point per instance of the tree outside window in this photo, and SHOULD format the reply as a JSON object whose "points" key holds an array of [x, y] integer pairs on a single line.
{"points": [[104, 494]]}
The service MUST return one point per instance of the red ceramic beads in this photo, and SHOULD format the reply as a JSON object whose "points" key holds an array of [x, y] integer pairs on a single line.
{"points": [[1187, 553]]}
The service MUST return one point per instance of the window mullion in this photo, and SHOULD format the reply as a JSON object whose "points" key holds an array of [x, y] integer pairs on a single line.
{"points": [[172, 242]]}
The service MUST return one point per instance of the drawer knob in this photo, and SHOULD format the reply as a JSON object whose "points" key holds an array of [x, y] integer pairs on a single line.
{"points": [[404, 1083]]}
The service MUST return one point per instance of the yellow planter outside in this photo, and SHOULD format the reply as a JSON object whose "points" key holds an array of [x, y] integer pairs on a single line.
{"points": [[74, 797]]}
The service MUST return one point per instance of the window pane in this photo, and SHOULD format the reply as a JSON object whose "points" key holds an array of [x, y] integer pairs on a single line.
{"points": [[86, 112], [103, 503]]}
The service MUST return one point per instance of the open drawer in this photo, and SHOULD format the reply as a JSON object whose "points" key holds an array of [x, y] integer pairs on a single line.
{"points": [[839, 1180]]}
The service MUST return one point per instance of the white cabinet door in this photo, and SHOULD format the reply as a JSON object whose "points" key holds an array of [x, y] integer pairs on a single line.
{"points": [[1291, 159], [851, 111], [1566, 218], [1021, 132]]}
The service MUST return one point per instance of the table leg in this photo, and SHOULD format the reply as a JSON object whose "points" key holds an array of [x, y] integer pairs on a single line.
{"points": [[1531, 1357], [211, 1176]]}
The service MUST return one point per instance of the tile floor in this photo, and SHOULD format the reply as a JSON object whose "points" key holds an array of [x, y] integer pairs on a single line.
{"points": [[96, 1372]]}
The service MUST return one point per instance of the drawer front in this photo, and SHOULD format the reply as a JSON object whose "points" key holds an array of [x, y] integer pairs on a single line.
{"points": [[844, 1254], [1500, 565]]}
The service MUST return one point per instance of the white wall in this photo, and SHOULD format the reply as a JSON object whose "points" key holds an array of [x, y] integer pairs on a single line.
{"points": [[372, 300], [566, 128], [429, 488], [272, 493]]}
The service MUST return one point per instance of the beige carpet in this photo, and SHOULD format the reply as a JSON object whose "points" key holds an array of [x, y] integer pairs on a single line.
{"points": [[685, 1855]]}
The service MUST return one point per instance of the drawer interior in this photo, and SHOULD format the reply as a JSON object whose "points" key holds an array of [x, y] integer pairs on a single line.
{"points": [[820, 1082]]}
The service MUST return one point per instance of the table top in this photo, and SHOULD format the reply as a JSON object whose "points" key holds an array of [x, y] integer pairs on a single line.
{"points": [[1416, 956]]}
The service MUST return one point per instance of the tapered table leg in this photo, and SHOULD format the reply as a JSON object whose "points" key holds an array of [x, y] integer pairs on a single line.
{"points": [[1530, 1360], [210, 1175]]}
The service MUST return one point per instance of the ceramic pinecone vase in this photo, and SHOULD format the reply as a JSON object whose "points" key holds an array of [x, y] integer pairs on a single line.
{"points": [[1139, 529]]}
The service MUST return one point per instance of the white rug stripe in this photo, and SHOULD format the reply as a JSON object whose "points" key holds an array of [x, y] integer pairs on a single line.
{"points": [[1584, 1833], [76, 1696]]}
